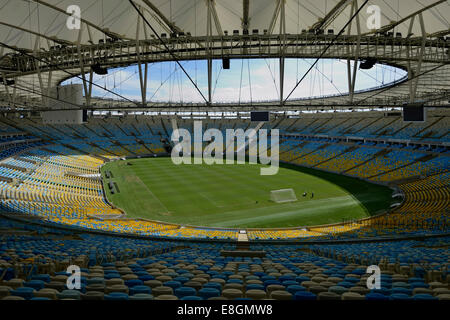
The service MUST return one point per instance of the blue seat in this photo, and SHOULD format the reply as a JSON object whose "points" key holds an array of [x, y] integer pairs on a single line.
{"points": [[133, 282], [35, 284], [185, 292], [207, 293], [399, 296], [269, 282], [292, 289], [181, 271], [95, 281], [214, 285], [116, 296], [181, 279], [227, 273], [383, 291], [40, 298], [304, 295], [203, 268], [171, 274], [419, 285], [415, 279], [173, 284], [401, 284], [191, 298], [108, 264], [424, 296], [419, 272], [141, 296], [212, 273], [345, 284], [140, 289], [359, 271], [235, 281], [376, 296], [42, 277], [9, 273], [286, 278], [254, 286], [146, 277], [288, 283], [265, 278], [402, 290], [300, 279], [70, 294], [351, 279], [187, 275], [83, 280], [24, 292]]}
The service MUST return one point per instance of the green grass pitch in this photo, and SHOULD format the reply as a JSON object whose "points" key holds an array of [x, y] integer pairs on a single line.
{"points": [[237, 195]]}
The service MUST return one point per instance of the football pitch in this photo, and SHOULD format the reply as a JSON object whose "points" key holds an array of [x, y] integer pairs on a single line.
{"points": [[237, 195]]}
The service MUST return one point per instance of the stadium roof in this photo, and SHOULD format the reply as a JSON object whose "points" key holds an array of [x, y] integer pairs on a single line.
{"points": [[38, 50]]}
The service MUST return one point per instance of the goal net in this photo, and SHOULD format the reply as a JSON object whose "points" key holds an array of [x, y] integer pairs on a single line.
{"points": [[282, 195]]}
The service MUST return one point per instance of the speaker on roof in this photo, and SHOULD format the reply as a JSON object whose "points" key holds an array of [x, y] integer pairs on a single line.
{"points": [[414, 112], [260, 116], [7, 82], [98, 69], [226, 63], [367, 64]]}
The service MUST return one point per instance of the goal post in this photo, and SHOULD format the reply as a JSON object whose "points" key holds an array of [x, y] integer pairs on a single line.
{"points": [[282, 195]]}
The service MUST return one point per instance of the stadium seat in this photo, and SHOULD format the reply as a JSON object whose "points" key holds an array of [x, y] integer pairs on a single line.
{"points": [[137, 289], [24, 292], [328, 296], [232, 293], [116, 296], [304, 295], [166, 297], [281, 295], [93, 295], [69, 294], [162, 290], [191, 298], [207, 293], [141, 296], [376, 296], [424, 296]]}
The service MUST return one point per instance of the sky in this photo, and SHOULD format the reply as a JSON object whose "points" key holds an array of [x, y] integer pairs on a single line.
{"points": [[246, 80]]}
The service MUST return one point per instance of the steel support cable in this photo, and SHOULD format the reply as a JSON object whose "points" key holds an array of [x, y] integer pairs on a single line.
{"points": [[272, 75], [326, 49], [63, 70], [168, 50], [325, 76]]}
